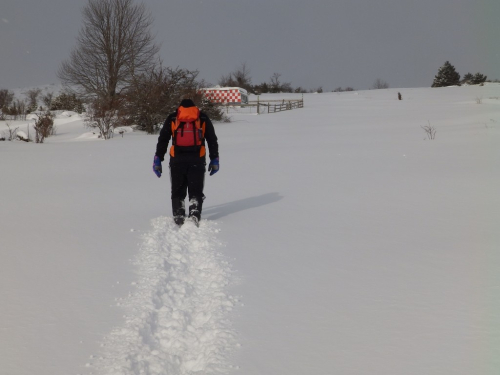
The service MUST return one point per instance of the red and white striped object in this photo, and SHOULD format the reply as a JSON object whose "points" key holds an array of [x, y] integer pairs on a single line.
{"points": [[223, 95]]}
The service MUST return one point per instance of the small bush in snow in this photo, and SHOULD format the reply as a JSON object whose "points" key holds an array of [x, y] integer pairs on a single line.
{"points": [[11, 133], [43, 126], [430, 131], [22, 136], [102, 117]]}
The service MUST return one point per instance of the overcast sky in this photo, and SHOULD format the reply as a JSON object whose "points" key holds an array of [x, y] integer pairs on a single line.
{"points": [[311, 43]]}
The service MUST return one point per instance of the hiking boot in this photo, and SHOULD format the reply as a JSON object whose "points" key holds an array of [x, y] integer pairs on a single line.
{"points": [[179, 220]]}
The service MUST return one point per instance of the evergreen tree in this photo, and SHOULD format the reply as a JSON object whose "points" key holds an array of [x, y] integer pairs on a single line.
{"points": [[67, 102], [467, 78], [447, 76], [478, 79]]}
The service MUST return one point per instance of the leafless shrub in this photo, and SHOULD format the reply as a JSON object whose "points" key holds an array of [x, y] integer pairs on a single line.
{"points": [[102, 117], [430, 131], [43, 126], [16, 111], [479, 100], [11, 133], [380, 84]]}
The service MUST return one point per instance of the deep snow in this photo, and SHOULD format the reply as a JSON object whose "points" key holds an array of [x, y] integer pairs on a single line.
{"points": [[336, 240]]}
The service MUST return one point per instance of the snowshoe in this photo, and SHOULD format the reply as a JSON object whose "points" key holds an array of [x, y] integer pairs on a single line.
{"points": [[179, 220], [194, 220]]}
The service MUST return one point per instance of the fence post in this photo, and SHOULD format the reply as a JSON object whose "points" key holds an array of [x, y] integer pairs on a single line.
{"points": [[258, 105]]}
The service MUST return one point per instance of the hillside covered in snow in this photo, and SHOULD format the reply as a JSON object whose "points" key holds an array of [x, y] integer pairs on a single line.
{"points": [[336, 239]]}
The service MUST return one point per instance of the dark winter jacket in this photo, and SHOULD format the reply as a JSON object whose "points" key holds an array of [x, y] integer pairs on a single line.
{"points": [[193, 156]]}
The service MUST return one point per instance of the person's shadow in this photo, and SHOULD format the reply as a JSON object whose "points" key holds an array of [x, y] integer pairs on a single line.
{"points": [[221, 210]]}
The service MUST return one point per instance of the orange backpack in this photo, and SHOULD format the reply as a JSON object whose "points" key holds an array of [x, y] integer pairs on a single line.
{"points": [[188, 133]]}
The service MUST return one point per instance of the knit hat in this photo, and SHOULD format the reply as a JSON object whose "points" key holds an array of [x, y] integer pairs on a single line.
{"points": [[186, 103]]}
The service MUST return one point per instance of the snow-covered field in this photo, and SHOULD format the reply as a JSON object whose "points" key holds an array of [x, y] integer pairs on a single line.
{"points": [[336, 239]]}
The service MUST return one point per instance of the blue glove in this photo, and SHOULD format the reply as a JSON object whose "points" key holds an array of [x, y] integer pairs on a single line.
{"points": [[157, 166], [213, 167]]}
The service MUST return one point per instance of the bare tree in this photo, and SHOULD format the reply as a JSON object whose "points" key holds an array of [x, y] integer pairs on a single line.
{"points": [[32, 96], [276, 86], [114, 45], [154, 95], [19, 110], [239, 78], [380, 84], [275, 82], [242, 77], [6, 98], [227, 81], [47, 99]]}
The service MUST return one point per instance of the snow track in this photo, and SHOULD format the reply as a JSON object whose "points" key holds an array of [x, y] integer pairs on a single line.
{"points": [[177, 321]]}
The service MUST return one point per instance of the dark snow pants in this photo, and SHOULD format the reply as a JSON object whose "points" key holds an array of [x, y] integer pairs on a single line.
{"points": [[187, 177]]}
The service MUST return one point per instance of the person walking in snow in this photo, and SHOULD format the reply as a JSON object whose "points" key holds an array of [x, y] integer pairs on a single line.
{"points": [[189, 130]]}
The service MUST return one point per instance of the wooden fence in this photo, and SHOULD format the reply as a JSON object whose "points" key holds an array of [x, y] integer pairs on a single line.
{"points": [[264, 106], [273, 106]]}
